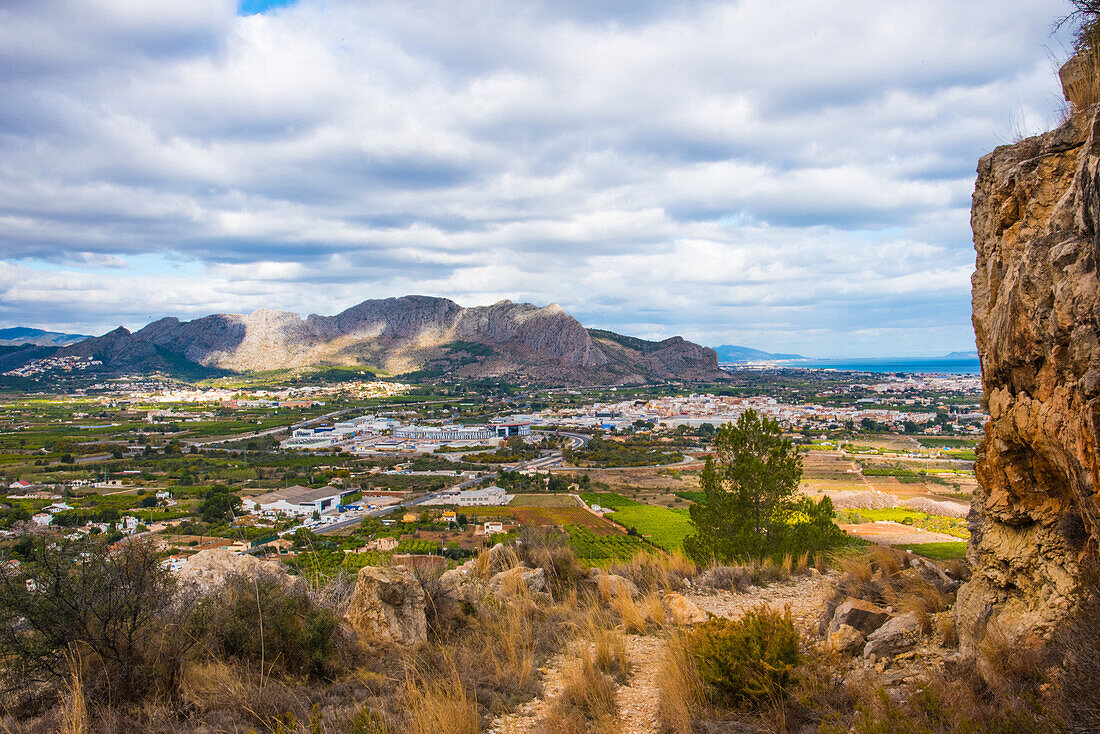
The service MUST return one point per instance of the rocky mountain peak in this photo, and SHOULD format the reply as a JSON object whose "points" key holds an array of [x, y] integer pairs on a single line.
{"points": [[434, 338]]}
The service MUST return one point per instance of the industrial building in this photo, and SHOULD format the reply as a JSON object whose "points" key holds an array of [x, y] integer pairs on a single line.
{"points": [[296, 501], [495, 429], [482, 497]]}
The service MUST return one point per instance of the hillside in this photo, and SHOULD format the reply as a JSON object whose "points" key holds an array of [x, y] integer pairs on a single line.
{"points": [[421, 337], [728, 353], [18, 335]]}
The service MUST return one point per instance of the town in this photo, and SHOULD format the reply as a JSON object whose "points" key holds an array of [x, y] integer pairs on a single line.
{"points": [[361, 473]]}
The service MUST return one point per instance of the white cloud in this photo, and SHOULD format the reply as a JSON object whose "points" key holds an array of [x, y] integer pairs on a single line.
{"points": [[791, 174]]}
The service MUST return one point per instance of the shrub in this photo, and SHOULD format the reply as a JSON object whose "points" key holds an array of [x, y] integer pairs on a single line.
{"points": [[264, 620], [747, 661], [113, 615]]}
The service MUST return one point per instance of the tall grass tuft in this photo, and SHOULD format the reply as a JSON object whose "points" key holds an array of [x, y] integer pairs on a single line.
{"points": [[680, 689], [439, 705], [74, 708]]}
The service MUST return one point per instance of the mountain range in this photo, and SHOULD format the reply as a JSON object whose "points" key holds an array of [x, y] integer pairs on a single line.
{"points": [[730, 354], [18, 335], [420, 337]]}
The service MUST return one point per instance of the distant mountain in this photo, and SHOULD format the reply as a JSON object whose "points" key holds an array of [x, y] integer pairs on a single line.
{"points": [[969, 354], [17, 335], [421, 337], [727, 353]]}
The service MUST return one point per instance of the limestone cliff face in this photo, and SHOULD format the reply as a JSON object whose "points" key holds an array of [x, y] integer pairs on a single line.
{"points": [[431, 337], [1036, 299]]}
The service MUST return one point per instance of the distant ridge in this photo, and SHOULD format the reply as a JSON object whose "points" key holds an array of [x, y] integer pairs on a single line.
{"points": [[16, 335], [728, 353], [969, 354], [419, 338]]}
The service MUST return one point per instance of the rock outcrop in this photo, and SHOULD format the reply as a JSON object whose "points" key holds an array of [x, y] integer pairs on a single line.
{"points": [[860, 615], [1036, 300], [682, 610], [208, 569], [434, 338], [900, 633], [388, 605]]}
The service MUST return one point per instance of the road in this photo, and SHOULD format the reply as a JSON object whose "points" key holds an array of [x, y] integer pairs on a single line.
{"points": [[580, 440], [276, 429], [312, 421], [354, 522]]}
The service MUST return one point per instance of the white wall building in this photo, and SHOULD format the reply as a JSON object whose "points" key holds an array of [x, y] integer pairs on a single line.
{"points": [[296, 501]]}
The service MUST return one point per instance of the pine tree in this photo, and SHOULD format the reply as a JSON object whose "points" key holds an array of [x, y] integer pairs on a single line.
{"points": [[750, 504]]}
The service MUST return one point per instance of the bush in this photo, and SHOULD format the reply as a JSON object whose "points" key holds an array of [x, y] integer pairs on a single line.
{"points": [[747, 661], [111, 619], [266, 620]]}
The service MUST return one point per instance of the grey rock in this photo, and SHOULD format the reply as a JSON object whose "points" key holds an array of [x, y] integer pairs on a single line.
{"points": [[859, 614], [900, 633]]}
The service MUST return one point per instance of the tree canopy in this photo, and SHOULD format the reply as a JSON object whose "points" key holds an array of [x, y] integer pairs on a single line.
{"points": [[751, 506]]}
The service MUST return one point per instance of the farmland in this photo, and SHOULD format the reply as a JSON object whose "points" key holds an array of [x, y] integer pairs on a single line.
{"points": [[543, 500], [937, 551], [662, 526], [562, 516], [596, 548]]}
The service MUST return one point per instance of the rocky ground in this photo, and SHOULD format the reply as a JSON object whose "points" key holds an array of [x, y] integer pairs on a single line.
{"points": [[638, 699]]}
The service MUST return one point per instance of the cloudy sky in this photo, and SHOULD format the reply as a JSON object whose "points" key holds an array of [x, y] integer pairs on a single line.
{"points": [[789, 175]]}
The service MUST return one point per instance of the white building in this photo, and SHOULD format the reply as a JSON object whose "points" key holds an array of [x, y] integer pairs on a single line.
{"points": [[482, 497], [444, 433], [296, 501]]}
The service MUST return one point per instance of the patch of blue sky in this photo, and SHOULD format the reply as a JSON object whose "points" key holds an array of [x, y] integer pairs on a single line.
{"points": [[256, 7]]}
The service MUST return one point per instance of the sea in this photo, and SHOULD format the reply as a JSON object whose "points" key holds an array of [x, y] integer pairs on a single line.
{"points": [[939, 366]]}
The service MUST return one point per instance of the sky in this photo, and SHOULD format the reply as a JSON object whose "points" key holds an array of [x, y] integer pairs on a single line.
{"points": [[788, 175]]}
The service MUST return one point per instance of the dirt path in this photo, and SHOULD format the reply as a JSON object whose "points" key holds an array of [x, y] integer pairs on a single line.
{"points": [[638, 700]]}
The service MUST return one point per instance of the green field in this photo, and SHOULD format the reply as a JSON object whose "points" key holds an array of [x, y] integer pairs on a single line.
{"points": [[937, 551], [664, 527], [597, 549], [934, 523], [610, 500]]}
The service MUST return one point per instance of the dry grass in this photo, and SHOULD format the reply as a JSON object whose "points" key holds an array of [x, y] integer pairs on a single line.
{"points": [[1084, 88], [628, 612], [657, 571], [74, 709], [653, 609], [680, 690], [887, 576], [439, 705], [587, 702], [494, 560]]}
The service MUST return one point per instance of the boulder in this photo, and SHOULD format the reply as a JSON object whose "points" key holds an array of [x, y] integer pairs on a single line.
{"points": [[209, 569], [388, 605], [612, 584], [498, 558], [846, 640], [684, 611], [932, 573], [507, 583], [898, 634], [462, 584], [862, 615]]}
